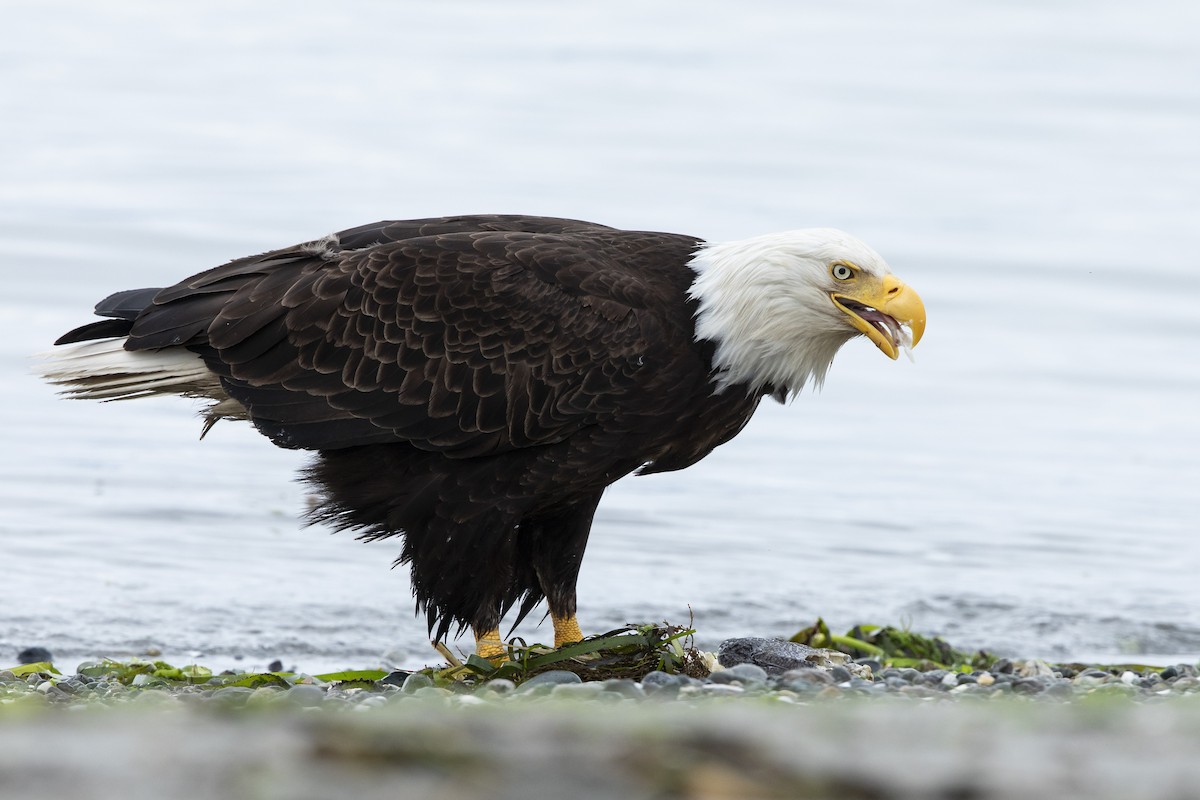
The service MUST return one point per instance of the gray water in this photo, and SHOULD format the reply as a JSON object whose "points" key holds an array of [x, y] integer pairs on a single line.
{"points": [[1029, 485]]}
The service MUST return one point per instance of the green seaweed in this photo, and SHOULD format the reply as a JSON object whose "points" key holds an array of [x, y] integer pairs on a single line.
{"points": [[36, 667], [894, 647], [628, 652]]}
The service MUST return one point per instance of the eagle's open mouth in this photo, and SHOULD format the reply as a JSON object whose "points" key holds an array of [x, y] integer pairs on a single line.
{"points": [[889, 334]]}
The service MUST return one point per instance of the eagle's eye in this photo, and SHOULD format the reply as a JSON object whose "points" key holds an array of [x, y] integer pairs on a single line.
{"points": [[841, 272]]}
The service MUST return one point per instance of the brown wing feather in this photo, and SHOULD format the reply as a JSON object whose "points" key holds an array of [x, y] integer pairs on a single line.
{"points": [[464, 335]]}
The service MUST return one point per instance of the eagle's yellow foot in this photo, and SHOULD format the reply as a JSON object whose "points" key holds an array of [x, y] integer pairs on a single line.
{"points": [[488, 645], [566, 630]]}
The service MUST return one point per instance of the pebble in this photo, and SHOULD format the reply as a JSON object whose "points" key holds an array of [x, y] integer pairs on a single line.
{"points": [[744, 674], [578, 691], [1017, 680], [661, 680], [811, 675], [840, 674], [415, 681], [776, 656], [305, 695], [499, 686], [34, 655], [552, 677]]}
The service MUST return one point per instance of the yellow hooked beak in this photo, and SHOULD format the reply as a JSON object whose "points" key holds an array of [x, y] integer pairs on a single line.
{"points": [[880, 309]]}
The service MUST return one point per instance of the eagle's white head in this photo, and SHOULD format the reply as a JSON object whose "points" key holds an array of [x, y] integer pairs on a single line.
{"points": [[779, 306]]}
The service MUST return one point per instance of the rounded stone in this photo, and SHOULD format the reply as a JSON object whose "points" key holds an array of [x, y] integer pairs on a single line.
{"points": [[264, 696], [839, 674], [745, 674], [810, 675], [1061, 690], [660, 678], [305, 695], [748, 673], [34, 655], [552, 677], [1091, 677], [498, 686], [577, 691], [153, 697], [231, 695], [415, 681]]}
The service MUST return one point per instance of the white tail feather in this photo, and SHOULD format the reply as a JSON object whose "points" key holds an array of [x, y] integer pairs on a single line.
{"points": [[104, 370]]}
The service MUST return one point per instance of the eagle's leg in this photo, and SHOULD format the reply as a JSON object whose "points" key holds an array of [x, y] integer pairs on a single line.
{"points": [[566, 629], [489, 645], [556, 560]]}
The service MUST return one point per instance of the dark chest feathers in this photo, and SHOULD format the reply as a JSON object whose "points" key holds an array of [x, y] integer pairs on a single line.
{"points": [[464, 337]]}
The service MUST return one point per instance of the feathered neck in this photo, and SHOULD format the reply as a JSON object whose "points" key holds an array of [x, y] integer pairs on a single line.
{"points": [[763, 304]]}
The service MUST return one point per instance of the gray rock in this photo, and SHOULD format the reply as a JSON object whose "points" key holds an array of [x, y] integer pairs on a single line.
{"points": [[554, 677], [34, 655], [745, 674], [498, 686], [1035, 668], [1029, 685], [229, 695], [304, 695], [840, 674], [1062, 689], [1092, 677], [659, 678], [154, 698], [662, 685], [577, 691], [776, 656], [810, 675], [417, 680]]}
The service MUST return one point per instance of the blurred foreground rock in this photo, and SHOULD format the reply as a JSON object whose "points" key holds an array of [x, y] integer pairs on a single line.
{"points": [[624, 751]]}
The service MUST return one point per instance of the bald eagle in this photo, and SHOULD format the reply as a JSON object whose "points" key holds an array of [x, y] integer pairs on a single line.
{"points": [[474, 383]]}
